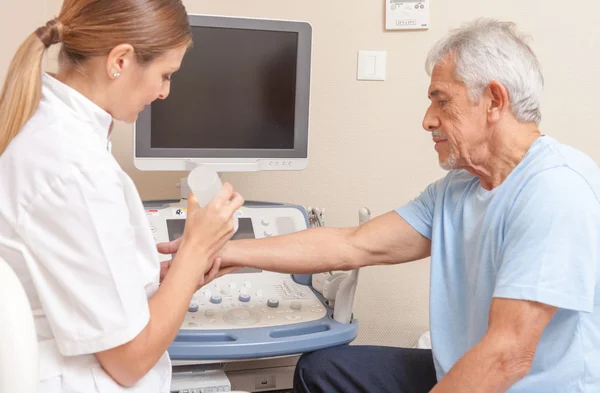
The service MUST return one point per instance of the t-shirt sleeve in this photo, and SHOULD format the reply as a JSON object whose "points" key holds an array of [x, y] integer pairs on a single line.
{"points": [[419, 211], [84, 263], [550, 252]]}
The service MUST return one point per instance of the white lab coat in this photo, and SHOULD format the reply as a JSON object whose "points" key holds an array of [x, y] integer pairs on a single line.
{"points": [[93, 262]]}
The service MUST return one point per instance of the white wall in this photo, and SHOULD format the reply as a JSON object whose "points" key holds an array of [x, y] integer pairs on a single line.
{"points": [[367, 147]]}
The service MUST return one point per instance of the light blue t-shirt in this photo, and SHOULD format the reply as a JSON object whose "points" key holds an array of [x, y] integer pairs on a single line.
{"points": [[535, 237]]}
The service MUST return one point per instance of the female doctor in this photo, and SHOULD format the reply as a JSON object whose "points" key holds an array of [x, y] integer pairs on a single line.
{"points": [[88, 261]]}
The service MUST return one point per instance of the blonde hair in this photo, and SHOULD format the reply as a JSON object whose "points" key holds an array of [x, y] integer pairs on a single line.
{"points": [[87, 28]]}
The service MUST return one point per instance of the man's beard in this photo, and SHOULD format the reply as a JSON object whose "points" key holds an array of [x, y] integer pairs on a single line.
{"points": [[451, 162]]}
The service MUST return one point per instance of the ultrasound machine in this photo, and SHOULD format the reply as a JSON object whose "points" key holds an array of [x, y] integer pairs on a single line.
{"points": [[240, 103]]}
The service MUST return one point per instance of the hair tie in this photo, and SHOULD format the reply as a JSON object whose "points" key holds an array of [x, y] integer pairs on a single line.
{"points": [[51, 33]]}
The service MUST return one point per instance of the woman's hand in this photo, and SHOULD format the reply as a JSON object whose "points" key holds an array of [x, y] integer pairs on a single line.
{"points": [[167, 248], [206, 231]]}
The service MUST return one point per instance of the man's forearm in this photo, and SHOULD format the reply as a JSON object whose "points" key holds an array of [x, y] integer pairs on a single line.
{"points": [[384, 240], [486, 368], [309, 251]]}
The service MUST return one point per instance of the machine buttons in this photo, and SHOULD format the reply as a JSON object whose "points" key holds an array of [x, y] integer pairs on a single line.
{"points": [[296, 305], [268, 233], [193, 307], [239, 313], [209, 313], [216, 299], [273, 303], [247, 284], [265, 222], [225, 291], [244, 297], [240, 316]]}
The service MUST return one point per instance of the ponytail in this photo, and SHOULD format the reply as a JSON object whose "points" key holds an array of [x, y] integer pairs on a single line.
{"points": [[23, 84]]}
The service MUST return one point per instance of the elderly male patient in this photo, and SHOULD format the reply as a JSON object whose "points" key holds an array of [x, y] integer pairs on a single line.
{"points": [[513, 231]]}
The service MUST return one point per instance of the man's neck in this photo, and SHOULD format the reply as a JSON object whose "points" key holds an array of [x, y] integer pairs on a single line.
{"points": [[505, 149]]}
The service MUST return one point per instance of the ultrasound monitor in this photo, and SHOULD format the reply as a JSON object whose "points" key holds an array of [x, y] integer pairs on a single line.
{"points": [[240, 101]]}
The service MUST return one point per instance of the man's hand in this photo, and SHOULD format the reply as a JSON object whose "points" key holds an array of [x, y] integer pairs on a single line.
{"points": [[171, 248], [218, 271]]}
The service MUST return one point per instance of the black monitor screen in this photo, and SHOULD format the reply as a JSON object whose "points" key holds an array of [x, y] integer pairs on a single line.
{"points": [[236, 89]]}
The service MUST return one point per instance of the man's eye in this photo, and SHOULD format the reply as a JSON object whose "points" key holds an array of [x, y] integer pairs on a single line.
{"points": [[442, 102]]}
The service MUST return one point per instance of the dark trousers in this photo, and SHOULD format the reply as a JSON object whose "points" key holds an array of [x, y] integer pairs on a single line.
{"points": [[365, 369]]}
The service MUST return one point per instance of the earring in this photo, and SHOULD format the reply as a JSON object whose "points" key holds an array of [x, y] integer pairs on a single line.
{"points": [[115, 73]]}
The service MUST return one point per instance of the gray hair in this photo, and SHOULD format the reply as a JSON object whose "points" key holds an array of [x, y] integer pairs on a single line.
{"points": [[486, 50]]}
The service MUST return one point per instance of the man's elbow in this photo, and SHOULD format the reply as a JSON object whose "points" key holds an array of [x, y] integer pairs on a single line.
{"points": [[515, 364]]}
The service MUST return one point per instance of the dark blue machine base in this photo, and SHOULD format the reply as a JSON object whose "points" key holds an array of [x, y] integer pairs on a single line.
{"points": [[252, 343]]}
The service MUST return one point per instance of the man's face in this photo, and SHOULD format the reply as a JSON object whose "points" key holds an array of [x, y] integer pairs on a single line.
{"points": [[457, 124]]}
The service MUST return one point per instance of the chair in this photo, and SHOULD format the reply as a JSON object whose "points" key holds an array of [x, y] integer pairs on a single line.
{"points": [[19, 366]]}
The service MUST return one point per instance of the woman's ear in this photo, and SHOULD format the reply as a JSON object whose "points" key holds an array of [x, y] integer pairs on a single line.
{"points": [[119, 60]]}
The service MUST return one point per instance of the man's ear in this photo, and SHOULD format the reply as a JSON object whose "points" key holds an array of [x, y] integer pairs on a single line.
{"points": [[498, 101]]}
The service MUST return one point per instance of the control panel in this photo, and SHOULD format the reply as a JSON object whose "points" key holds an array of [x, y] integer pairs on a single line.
{"points": [[247, 298], [252, 300]]}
